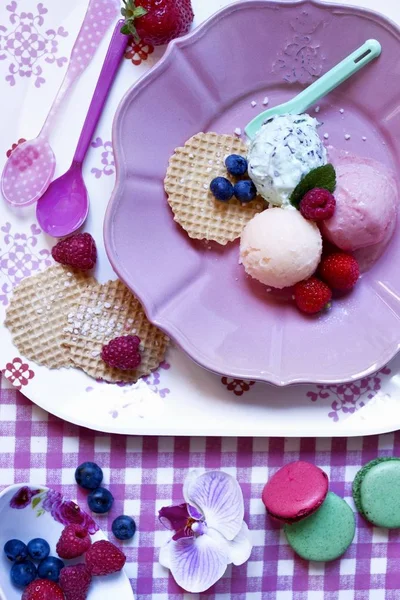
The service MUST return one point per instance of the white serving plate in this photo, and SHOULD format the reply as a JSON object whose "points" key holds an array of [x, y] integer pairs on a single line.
{"points": [[180, 398]]}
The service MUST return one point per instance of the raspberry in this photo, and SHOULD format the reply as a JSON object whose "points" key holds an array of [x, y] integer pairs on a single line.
{"points": [[74, 541], [122, 352], [43, 589], [318, 204], [340, 271], [103, 558], [77, 251], [312, 295], [75, 582]]}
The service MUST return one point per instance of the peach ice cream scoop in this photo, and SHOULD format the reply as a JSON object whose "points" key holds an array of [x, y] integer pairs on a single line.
{"points": [[279, 247], [366, 203]]}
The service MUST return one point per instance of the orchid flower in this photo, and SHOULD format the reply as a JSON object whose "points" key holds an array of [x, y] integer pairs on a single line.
{"points": [[209, 531]]}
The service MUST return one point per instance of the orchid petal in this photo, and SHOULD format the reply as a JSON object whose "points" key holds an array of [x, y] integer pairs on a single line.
{"points": [[164, 558], [194, 513], [174, 518], [197, 563], [239, 549], [191, 478], [219, 497]]}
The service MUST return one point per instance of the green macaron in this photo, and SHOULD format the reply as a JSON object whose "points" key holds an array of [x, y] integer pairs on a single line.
{"points": [[326, 534], [376, 492]]}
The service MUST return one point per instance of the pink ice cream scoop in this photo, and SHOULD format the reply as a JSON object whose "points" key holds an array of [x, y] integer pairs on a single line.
{"points": [[366, 203]]}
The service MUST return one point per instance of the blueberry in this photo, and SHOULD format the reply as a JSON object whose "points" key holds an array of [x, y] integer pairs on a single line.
{"points": [[100, 500], [89, 475], [50, 568], [16, 550], [245, 190], [124, 527], [236, 165], [38, 549], [23, 573], [221, 188]]}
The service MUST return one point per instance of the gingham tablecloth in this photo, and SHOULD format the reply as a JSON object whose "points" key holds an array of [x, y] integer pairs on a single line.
{"points": [[146, 473]]}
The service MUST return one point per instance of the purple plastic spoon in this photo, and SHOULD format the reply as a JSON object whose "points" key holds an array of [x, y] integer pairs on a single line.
{"points": [[30, 168], [64, 206]]}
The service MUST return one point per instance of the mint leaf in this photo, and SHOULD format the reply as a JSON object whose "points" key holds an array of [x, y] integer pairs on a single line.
{"points": [[321, 177]]}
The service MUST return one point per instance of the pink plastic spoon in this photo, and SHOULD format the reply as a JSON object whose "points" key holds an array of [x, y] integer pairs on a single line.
{"points": [[30, 168], [64, 206]]}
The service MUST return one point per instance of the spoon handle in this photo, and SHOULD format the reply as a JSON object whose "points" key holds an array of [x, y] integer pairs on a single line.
{"points": [[321, 87], [99, 16], [112, 60], [338, 74]]}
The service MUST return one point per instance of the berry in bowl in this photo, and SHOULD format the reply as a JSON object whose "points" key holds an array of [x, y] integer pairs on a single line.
{"points": [[51, 550]]}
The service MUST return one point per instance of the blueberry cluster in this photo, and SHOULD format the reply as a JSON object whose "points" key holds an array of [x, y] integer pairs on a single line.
{"points": [[89, 476], [100, 500], [24, 556], [244, 189]]}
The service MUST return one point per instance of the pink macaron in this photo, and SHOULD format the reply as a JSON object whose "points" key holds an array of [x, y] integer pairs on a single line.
{"points": [[295, 491]]}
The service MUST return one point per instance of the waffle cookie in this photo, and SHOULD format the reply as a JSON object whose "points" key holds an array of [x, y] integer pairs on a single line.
{"points": [[102, 313], [37, 313], [187, 183]]}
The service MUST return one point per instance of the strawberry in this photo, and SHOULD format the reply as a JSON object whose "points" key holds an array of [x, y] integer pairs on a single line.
{"points": [[43, 589], [156, 22], [74, 541], [312, 295], [103, 558], [340, 271]]}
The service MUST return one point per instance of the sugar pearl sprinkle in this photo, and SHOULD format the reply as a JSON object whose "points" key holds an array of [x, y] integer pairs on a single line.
{"points": [[317, 109], [96, 322], [266, 100], [341, 111], [347, 136], [253, 103], [326, 135], [238, 131]]}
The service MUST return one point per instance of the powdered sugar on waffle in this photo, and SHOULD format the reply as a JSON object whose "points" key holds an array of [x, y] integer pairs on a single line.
{"points": [[62, 318], [105, 312]]}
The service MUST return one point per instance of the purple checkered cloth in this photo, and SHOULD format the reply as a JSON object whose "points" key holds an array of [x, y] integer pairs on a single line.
{"points": [[146, 473]]}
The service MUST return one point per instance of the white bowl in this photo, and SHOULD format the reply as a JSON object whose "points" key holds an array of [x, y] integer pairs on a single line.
{"points": [[35, 519]]}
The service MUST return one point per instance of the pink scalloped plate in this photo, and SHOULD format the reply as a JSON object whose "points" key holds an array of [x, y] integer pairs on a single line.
{"points": [[197, 292]]}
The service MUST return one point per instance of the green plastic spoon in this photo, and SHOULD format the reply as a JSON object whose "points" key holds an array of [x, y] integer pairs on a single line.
{"points": [[320, 88]]}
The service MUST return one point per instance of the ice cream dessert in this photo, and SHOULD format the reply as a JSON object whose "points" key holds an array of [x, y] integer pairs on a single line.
{"points": [[286, 148], [280, 248], [369, 255], [366, 203], [284, 195]]}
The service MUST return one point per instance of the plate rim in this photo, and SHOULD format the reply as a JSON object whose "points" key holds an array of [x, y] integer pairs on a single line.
{"points": [[167, 326]]}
